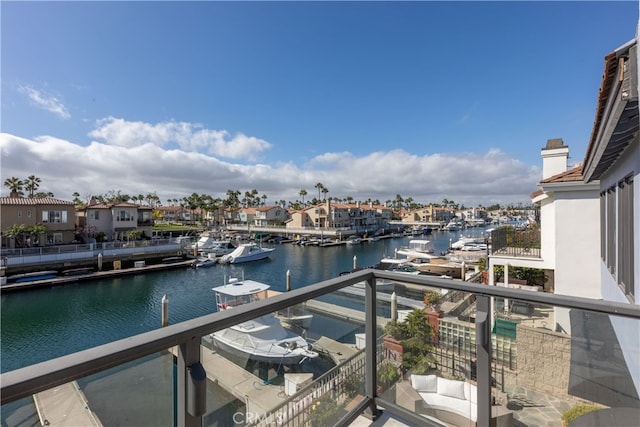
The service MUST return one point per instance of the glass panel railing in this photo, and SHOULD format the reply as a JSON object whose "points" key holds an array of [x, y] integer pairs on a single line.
{"points": [[437, 338], [322, 387], [137, 393]]}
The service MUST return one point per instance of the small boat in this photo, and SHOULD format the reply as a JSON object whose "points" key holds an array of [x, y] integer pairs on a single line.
{"points": [[205, 262], [453, 225], [470, 243], [262, 339], [77, 271], [33, 276], [245, 253], [353, 240]]}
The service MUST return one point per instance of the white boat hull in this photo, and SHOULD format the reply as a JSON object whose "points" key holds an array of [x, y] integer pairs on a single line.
{"points": [[287, 349]]}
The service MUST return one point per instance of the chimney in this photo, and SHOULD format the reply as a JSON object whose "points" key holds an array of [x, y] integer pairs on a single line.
{"points": [[554, 158]]}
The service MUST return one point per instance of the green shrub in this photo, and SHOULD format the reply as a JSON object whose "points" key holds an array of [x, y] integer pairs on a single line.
{"points": [[352, 385], [576, 412], [388, 374]]}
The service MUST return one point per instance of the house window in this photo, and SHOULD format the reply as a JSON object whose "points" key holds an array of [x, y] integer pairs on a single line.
{"points": [[59, 217], [94, 214], [610, 253], [124, 216], [625, 236], [19, 213], [616, 233], [28, 213]]}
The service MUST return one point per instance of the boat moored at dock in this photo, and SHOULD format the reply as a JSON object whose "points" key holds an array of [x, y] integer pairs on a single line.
{"points": [[262, 339], [245, 253]]}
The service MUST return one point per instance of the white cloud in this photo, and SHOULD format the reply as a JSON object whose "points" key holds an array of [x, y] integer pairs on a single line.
{"points": [[46, 101], [65, 167], [187, 136]]}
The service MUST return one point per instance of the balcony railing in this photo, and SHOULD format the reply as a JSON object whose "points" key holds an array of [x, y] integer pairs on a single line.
{"points": [[510, 241], [595, 363]]}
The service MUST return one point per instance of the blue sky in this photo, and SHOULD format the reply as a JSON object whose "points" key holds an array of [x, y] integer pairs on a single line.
{"points": [[429, 100]]}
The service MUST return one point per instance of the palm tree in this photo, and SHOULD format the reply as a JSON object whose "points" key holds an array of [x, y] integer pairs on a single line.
{"points": [[76, 198], [14, 184], [319, 186], [31, 184], [303, 193], [325, 190]]}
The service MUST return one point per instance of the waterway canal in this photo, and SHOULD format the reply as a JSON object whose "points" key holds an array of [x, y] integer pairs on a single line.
{"points": [[41, 324]]}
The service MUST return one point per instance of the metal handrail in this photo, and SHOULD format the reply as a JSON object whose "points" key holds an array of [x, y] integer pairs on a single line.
{"points": [[33, 379]]}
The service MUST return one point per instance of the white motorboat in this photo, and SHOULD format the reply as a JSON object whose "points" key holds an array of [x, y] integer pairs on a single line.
{"points": [[453, 225], [220, 247], [245, 253], [353, 240], [470, 244], [418, 248], [205, 241], [263, 339]]}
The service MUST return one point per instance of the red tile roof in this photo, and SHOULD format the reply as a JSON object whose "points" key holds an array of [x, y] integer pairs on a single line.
{"points": [[574, 174], [33, 201]]}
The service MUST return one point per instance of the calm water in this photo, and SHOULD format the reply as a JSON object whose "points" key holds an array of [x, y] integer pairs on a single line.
{"points": [[42, 324]]}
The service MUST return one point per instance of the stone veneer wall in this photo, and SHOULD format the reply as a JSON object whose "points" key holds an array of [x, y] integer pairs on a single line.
{"points": [[544, 359]]}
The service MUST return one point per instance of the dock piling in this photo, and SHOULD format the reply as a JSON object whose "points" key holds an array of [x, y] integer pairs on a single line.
{"points": [[165, 311], [288, 280]]}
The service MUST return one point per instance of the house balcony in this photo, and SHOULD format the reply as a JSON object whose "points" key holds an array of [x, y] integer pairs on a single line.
{"points": [[512, 242], [177, 375]]}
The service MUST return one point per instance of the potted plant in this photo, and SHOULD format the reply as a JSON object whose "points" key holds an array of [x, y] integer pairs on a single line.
{"points": [[388, 375], [432, 300]]}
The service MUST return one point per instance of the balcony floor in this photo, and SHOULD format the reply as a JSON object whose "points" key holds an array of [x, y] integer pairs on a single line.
{"points": [[385, 420]]}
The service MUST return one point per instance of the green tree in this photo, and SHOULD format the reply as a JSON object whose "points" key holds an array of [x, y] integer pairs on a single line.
{"points": [[76, 198], [14, 184], [303, 193]]}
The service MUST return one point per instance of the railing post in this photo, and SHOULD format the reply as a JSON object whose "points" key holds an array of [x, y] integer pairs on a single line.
{"points": [[483, 359], [371, 371], [191, 391]]}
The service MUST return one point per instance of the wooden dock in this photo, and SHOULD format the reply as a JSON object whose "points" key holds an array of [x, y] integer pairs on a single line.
{"points": [[64, 406], [95, 275]]}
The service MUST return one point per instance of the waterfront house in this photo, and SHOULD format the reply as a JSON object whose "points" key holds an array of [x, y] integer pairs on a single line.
{"points": [[431, 213], [265, 216], [612, 162], [175, 214], [589, 243], [353, 216], [566, 244], [58, 216], [113, 221]]}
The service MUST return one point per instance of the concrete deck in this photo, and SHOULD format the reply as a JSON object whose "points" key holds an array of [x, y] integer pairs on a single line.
{"points": [[247, 387], [64, 405]]}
